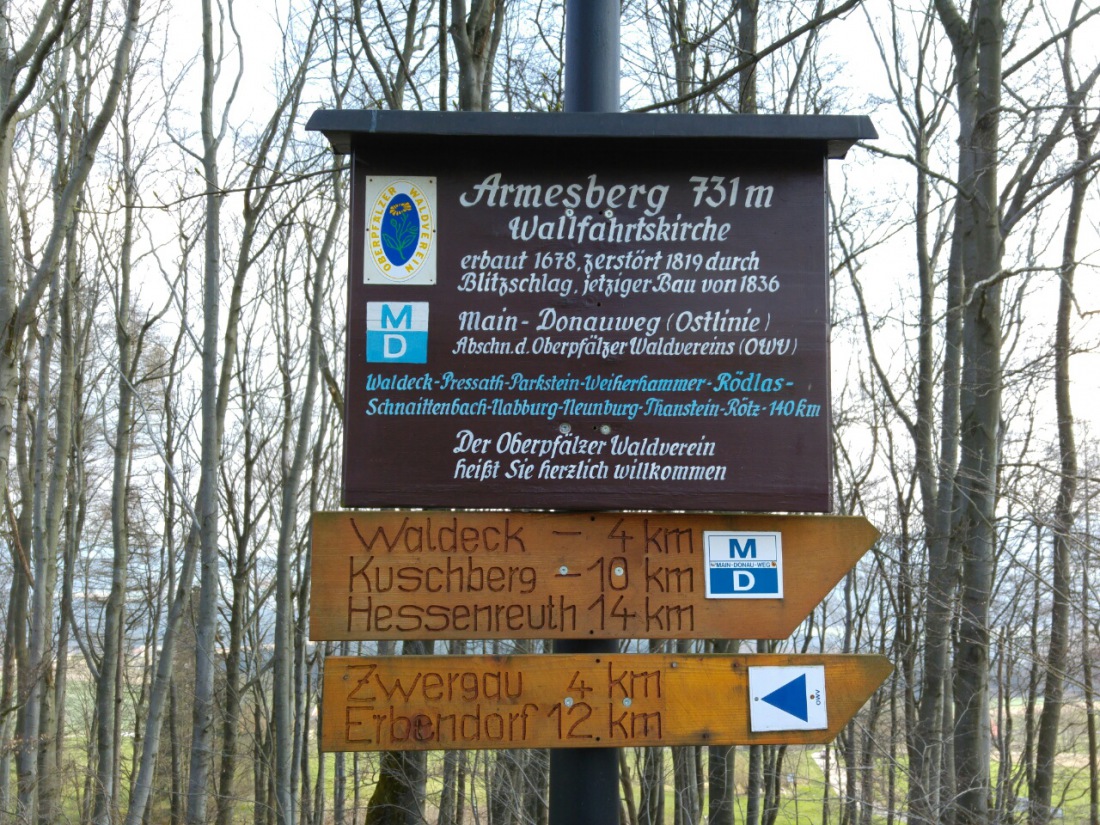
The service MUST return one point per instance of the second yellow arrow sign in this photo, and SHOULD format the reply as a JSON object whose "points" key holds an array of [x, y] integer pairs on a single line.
{"points": [[497, 575], [591, 701]]}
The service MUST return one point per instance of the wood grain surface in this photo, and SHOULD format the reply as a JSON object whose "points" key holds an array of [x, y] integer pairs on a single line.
{"points": [[573, 701], [512, 575]]}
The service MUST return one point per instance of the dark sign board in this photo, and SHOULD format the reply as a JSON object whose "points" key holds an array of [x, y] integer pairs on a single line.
{"points": [[595, 321]]}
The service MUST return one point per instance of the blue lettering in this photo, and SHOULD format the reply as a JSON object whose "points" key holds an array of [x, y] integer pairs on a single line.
{"points": [[746, 552], [404, 317]]}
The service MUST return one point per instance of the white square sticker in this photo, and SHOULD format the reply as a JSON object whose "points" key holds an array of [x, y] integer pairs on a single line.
{"points": [[743, 565], [399, 245], [787, 698]]}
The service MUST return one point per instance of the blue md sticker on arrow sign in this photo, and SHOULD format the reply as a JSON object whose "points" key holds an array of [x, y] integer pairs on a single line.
{"points": [[742, 565], [787, 698]]}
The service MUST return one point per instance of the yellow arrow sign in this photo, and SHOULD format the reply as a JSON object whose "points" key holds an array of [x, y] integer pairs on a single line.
{"points": [[503, 575], [591, 701]]}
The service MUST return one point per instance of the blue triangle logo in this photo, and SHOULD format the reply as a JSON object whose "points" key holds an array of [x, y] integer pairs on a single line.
{"points": [[791, 698]]}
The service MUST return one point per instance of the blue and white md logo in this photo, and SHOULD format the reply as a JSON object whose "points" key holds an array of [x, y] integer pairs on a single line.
{"points": [[741, 565], [397, 333]]}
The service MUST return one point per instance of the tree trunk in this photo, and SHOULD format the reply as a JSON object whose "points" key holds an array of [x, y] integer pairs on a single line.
{"points": [[206, 509], [755, 789], [687, 806], [977, 44], [453, 795], [1050, 719], [720, 784], [651, 808], [475, 35], [16, 316], [773, 776], [108, 700], [1090, 703], [937, 481], [449, 812]]}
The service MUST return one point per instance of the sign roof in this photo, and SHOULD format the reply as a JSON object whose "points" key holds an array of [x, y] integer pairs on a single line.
{"points": [[346, 127]]}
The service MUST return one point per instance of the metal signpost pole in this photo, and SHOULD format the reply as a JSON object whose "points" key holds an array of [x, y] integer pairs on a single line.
{"points": [[584, 783], [592, 56]]}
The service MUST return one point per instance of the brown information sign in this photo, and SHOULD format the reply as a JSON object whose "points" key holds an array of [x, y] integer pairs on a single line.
{"points": [[591, 701], [499, 575], [574, 326]]}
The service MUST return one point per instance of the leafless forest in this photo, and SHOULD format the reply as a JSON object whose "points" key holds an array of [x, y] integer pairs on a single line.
{"points": [[172, 281]]}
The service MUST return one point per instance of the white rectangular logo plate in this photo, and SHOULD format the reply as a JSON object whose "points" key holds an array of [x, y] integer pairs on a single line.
{"points": [[787, 698], [741, 565]]}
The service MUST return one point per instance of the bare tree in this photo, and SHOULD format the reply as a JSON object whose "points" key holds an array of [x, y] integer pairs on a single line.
{"points": [[130, 334], [20, 71], [1084, 134], [475, 32]]}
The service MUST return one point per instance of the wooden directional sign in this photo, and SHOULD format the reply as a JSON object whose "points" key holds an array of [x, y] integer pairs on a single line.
{"points": [[590, 701], [498, 575]]}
